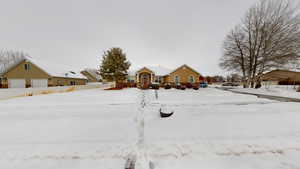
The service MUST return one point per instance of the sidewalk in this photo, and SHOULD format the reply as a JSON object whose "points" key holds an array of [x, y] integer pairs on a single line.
{"points": [[267, 94]]}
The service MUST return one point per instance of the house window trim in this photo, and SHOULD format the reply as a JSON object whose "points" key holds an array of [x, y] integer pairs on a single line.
{"points": [[176, 79], [191, 79]]}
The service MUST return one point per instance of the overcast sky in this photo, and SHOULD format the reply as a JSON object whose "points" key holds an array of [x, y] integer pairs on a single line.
{"points": [[151, 32]]}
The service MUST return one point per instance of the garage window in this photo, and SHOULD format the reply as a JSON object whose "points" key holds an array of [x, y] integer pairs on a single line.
{"points": [[27, 66]]}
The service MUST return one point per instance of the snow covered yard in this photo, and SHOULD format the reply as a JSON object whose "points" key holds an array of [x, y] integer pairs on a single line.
{"points": [[97, 129]]}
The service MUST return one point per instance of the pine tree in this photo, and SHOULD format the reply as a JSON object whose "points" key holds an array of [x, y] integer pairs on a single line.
{"points": [[114, 65]]}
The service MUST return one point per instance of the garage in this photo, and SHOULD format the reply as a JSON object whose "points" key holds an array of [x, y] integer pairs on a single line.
{"points": [[16, 83], [38, 83]]}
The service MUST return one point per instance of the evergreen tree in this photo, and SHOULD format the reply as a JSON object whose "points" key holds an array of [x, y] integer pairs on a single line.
{"points": [[114, 65]]}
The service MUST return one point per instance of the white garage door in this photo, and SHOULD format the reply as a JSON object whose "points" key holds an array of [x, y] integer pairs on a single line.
{"points": [[16, 83], [35, 83]]}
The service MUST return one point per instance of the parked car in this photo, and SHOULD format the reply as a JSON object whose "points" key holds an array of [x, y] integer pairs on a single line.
{"points": [[203, 85], [230, 84], [154, 86]]}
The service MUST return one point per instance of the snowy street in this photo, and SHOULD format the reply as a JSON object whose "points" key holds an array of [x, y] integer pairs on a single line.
{"points": [[97, 129]]}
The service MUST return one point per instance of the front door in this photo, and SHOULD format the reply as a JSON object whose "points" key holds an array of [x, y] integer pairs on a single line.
{"points": [[145, 80]]}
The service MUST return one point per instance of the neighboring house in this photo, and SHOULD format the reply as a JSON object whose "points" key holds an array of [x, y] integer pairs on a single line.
{"points": [[92, 75], [146, 76], [276, 77], [29, 73]]}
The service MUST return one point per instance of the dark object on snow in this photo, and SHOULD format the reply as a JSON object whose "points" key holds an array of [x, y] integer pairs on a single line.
{"points": [[182, 87], [130, 164], [165, 115], [178, 86], [167, 86]]}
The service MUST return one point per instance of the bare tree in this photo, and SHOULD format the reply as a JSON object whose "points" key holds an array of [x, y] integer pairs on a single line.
{"points": [[268, 37], [9, 57]]}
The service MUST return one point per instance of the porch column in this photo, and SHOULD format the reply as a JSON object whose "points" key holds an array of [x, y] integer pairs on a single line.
{"points": [[152, 77], [137, 78]]}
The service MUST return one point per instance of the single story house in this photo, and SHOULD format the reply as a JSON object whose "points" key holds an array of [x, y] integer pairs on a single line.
{"points": [[92, 75], [146, 76], [29, 73], [278, 76]]}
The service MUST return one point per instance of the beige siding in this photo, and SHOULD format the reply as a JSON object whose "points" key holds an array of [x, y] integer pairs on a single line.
{"points": [[63, 81], [184, 74], [19, 72]]}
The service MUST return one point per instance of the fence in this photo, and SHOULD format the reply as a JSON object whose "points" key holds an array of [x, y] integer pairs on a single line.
{"points": [[19, 92]]}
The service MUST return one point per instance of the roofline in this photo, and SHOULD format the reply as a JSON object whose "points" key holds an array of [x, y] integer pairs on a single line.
{"points": [[186, 66], [21, 61], [144, 68], [95, 78], [68, 77]]}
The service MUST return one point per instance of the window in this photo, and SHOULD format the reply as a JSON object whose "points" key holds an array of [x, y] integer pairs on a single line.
{"points": [[73, 83], [191, 79], [177, 79], [27, 66]]}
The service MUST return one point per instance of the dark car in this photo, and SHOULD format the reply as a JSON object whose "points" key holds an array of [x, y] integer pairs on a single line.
{"points": [[203, 85], [154, 86]]}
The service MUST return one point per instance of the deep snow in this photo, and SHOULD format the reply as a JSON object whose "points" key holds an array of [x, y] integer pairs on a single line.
{"points": [[97, 129]]}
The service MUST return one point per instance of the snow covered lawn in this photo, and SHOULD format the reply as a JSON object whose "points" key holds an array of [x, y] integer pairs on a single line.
{"points": [[97, 129]]}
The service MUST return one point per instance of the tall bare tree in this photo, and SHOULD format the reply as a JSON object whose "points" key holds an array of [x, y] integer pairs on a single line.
{"points": [[268, 37]]}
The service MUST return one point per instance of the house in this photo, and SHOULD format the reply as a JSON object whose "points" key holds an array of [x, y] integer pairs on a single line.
{"points": [[92, 75], [29, 73], [284, 77], [146, 76]]}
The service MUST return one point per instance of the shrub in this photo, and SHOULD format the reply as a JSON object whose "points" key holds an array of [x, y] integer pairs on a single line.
{"points": [[47, 92], [71, 89], [167, 86], [29, 94], [196, 88], [182, 87], [189, 85]]}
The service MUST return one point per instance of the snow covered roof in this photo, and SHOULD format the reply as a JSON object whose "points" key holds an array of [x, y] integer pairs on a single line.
{"points": [[157, 70], [93, 72], [58, 70], [55, 70]]}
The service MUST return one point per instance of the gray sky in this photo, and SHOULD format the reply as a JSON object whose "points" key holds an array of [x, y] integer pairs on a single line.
{"points": [[152, 32]]}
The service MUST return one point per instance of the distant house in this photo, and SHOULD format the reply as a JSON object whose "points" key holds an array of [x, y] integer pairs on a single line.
{"points": [[286, 77], [92, 75], [29, 73], [146, 76]]}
